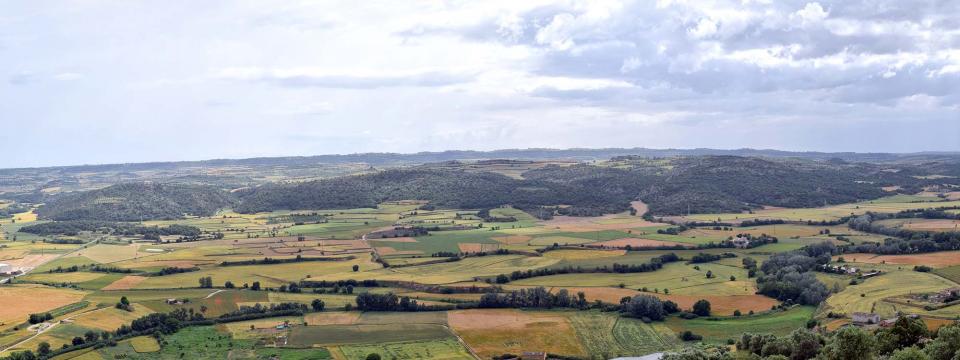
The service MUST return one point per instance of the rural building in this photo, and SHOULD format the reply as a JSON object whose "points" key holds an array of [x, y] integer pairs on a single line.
{"points": [[6, 269], [872, 273], [741, 242], [860, 318]]}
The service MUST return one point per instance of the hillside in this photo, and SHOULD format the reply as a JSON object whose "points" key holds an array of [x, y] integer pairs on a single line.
{"points": [[136, 201], [700, 184]]}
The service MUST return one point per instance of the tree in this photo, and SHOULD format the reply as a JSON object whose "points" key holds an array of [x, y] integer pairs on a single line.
{"points": [[373, 356], [77, 341], [229, 285], [946, 345], [645, 307], [850, 343], [806, 344], [909, 353], [43, 349], [91, 336], [701, 308], [317, 305], [709, 274], [356, 268], [904, 333], [255, 286]]}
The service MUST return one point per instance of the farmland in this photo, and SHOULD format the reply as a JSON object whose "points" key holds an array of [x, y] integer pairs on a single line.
{"points": [[446, 258]]}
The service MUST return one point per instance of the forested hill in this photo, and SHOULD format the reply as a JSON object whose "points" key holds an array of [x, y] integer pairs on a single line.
{"points": [[729, 184], [137, 201], [699, 184], [443, 188], [703, 184]]}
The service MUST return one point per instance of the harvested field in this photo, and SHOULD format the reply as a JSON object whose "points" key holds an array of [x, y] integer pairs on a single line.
{"points": [[31, 261], [721, 305], [386, 250], [936, 259], [513, 239], [476, 248], [365, 334], [583, 254], [109, 319], [637, 243], [405, 239], [494, 332], [26, 299], [111, 253], [331, 318], [126, 282], [559, 240], [73, 277]]}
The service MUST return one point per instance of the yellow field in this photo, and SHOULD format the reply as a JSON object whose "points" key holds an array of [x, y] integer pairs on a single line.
{"points": [[73, 277], [893, 283], [494, 332], [680, 279], [582, 254], [109, 319], [824, 213], [267, 275], [110, 253], [21, 300], [145, 344]]}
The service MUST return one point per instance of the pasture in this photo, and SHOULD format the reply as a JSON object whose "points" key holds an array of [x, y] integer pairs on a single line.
{"points": [[718, 331]]}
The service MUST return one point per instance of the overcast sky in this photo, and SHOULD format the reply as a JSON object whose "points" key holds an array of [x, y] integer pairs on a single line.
{"points": [[85, 82]]}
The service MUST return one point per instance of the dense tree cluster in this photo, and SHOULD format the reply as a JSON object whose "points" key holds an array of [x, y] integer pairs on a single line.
{"points": [[74, 227], [537, 297], [136, 202], [904, 241], [789, 276]]}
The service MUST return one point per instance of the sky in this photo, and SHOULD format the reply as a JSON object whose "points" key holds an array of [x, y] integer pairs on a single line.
{"points": [[90, 82]]}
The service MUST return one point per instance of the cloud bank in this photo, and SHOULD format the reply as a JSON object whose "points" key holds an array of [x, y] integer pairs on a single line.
{"points": [[94, 83]]}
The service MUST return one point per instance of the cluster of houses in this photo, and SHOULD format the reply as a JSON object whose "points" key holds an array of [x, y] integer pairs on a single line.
{"points": [[850, 270], [741, 242], [945, 295], [869, 319]]}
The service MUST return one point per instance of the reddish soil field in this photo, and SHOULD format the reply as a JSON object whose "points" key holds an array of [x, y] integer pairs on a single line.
{"points": [[721, 305], [125, 283]]}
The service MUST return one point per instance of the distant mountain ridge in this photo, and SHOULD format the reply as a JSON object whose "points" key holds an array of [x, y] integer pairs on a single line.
{"points": [[584, 154]]}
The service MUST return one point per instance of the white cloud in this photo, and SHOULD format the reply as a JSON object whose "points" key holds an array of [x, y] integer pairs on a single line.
{"points": [[400, 76]]}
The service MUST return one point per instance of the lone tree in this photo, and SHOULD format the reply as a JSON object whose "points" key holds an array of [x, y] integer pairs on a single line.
{"points": [[317, 305], [356, 268], [701, 308]]}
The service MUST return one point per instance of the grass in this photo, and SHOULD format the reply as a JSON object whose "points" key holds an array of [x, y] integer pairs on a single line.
{"points": [[868, 296], [293, 354], [267, 275], [448, 348], [612, 336], [679, 278], [144, 344], [719, 330], [365, 334], [952, 273]]}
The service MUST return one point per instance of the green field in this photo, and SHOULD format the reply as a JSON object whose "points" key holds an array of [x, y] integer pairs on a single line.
{"points": [[610, 335], [718, 331], [448, 349], [365, 334]]}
